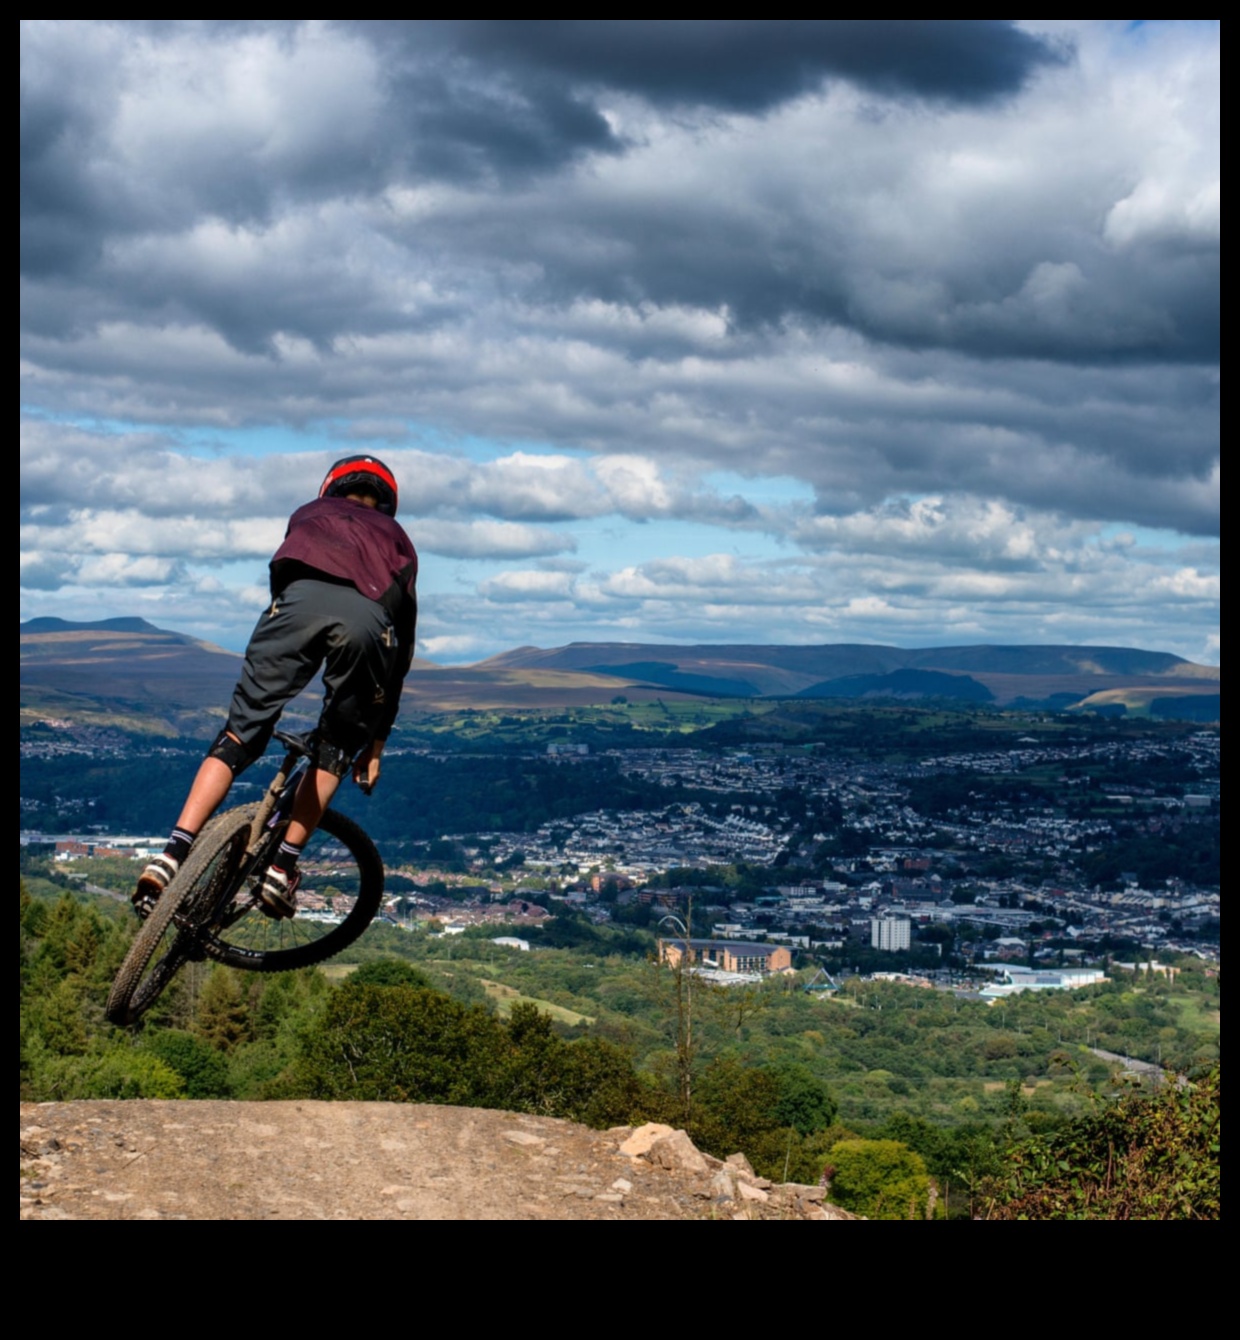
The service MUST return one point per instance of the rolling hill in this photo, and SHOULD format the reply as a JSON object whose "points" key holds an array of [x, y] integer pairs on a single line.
{"points": [[130, 673], [1051, 674], [123, 672]]}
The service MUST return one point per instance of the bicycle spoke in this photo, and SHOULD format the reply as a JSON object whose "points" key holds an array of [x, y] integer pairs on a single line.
{"points": [[340, 891]]}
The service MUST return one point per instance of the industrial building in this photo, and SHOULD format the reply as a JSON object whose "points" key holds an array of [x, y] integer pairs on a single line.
{"points": [[727, 955]]}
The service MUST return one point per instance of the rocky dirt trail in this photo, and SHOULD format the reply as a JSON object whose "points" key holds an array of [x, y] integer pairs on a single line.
{"points": [[308, 1160]]}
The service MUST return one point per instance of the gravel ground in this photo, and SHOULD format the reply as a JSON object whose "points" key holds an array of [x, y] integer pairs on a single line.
{"points": [[310, 1160]]}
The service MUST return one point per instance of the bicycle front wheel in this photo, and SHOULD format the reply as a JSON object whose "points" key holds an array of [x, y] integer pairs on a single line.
{"points": [[340, 891], [171, 936]]}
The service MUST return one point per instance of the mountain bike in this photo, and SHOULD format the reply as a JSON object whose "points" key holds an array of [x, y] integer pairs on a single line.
{"points": [[211, 909]]}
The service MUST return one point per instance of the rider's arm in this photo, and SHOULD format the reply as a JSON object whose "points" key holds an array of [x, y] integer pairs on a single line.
{"points": [[405, 623], [366, 765]]}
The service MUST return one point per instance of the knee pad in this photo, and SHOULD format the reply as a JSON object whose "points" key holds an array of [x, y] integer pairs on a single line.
{"points": [[235, 756], [331, 758]]}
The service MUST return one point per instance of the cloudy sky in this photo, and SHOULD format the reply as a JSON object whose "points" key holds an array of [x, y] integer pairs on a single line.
{"points": [[773, 331]]}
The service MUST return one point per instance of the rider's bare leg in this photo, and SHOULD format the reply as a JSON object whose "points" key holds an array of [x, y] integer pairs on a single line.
{"points": [[313, 797], [278, 891], [210, 786]]}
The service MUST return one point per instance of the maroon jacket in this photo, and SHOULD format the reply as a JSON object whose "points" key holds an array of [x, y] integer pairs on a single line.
{"points": [[361, 545]]}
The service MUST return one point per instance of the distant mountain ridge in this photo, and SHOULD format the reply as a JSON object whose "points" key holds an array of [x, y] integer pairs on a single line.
{"points": [[1004, 673], [835, 659], [169, 682], [125, 671], [124, 624], [902, 684]]}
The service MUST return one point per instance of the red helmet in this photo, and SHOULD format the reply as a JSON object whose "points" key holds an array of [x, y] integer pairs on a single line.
{"points": [[362, 472]]}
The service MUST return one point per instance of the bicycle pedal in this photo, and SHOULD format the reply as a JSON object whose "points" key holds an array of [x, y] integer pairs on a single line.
{"points": [[144, 904]]}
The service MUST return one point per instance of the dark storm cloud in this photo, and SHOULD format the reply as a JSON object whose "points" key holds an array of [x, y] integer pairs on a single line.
{"points": [[1040, 287], [63, 216], [476, 97], [752, 65], [135, 128], [880, 258], [491, 126], [269, 120]]}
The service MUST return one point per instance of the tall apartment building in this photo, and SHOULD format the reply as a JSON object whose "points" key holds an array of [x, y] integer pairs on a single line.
{"points": [[891, 932]]}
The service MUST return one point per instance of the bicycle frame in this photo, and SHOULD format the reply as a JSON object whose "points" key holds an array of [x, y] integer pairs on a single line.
{"points": [[277, 803], [269, 822]]}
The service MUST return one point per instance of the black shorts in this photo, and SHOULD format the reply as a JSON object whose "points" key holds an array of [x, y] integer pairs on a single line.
{"points": [[311, 625]]}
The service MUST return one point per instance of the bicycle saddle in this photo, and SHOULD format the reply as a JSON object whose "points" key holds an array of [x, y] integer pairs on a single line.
{"points": [[297, 744]]}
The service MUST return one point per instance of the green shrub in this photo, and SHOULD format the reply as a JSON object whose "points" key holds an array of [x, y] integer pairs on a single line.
{"points": [[881, 1179], [388, 972], [202, 1069], [1136, 1158], [121, 1072], [410, 1044]]}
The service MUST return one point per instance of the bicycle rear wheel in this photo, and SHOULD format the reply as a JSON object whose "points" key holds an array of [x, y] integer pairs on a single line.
{"points": [[340, 891], [171, 936]]}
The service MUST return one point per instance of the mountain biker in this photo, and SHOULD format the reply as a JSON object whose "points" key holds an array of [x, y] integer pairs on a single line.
{"points": [[344, 600]]}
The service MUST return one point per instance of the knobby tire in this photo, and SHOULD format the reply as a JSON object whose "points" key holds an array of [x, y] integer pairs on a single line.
{"points": [[167, 940], [184, 924]]}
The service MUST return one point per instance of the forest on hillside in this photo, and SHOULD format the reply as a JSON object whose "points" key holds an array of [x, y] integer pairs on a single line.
{"points": [[910, 1098]]}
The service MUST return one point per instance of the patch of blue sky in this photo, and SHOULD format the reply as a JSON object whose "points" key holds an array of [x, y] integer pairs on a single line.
{"points": [[449, 576], [92, 423], [1148, 29], [198, 441], [345, 437], [1147, 537], [257, 440], [260, 440], [486, 449], [236, 574], [765, 490], [613, 542], [605, 545], [377, 436]]}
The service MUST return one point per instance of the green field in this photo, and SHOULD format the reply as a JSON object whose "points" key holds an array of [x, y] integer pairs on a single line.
{"points": [[1197, 1014], [505, 997]]}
